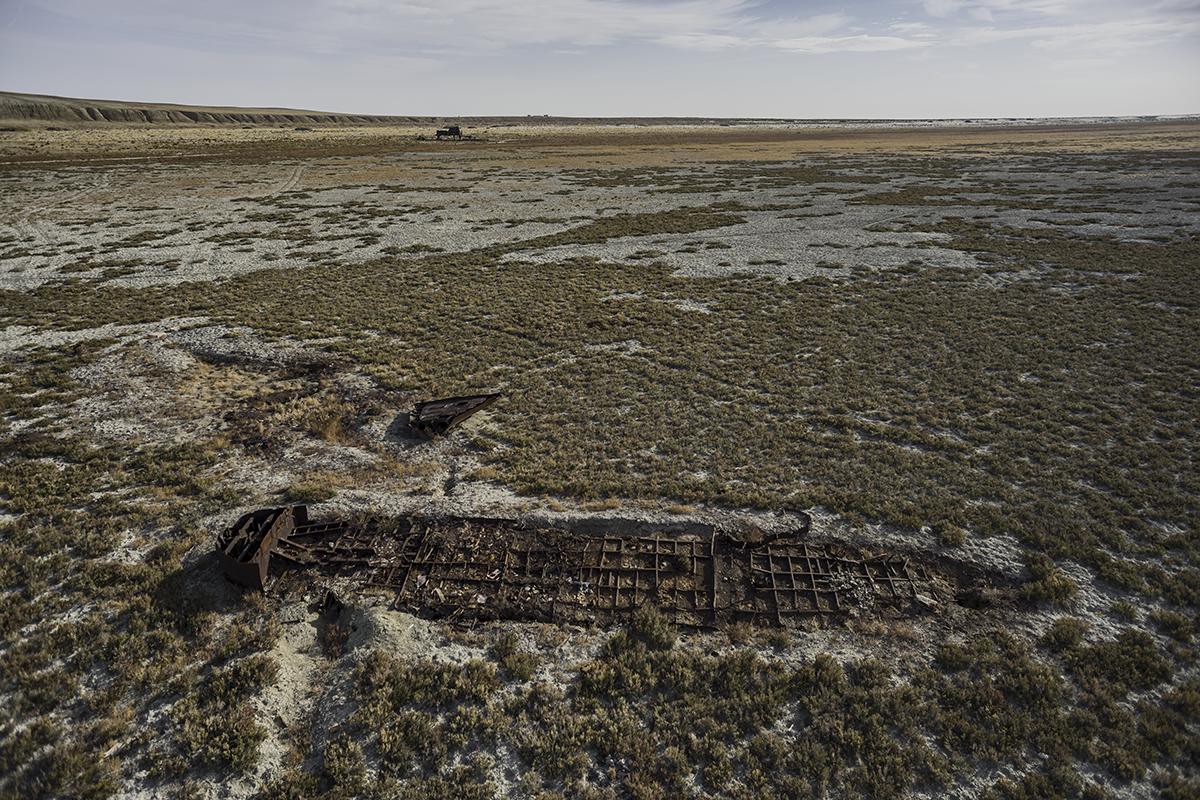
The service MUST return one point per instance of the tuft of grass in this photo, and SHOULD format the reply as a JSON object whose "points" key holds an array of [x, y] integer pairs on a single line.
{"points": [[950, 535], [309, 492], [517, 663], [652, 629], [1123, 609], [1131, 662], [1048, 583], [1065, 634], [1178, 626], [344, 765]]}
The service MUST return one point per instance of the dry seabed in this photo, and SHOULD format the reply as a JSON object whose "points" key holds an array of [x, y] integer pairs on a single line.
{"points": [[977, 352]]}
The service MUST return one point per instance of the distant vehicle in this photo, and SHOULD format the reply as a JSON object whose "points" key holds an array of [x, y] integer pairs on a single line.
{"points": [[451, 132]]}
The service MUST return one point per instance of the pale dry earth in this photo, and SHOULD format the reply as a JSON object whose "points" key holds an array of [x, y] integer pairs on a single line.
{"points": [[147, 207]]}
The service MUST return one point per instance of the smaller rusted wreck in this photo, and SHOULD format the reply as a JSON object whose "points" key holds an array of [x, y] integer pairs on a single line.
{"points": [[433, 418]]}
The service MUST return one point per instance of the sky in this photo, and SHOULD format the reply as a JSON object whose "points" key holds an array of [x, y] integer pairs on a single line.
{"points": [[722, 58]]}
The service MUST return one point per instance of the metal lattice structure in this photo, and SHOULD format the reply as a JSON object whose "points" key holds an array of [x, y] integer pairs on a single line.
{"points": [[495, 568]]}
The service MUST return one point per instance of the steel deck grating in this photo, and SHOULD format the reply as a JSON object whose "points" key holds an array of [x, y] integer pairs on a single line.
{"points": [[496, 568]]}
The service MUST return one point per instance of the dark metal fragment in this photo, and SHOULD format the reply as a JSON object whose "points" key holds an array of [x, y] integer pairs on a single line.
{"points": [[245, 548], [436, 417]]}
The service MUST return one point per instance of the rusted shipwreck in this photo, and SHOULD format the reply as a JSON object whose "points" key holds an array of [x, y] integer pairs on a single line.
{"points": [[483, 568]]}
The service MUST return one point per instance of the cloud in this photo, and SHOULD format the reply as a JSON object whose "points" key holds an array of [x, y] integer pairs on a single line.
{"points": [[706, 25], [911, 28], [512, 23], [861, 43], [703, 41], [1085, 39], [823, 33], [943, 8], [819, 25], [350, 25], [1077, 28], [433, 27], [988, 9], [438, 29]]}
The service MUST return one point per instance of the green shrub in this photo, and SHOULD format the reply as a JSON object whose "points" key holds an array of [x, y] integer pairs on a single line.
{"points": [[1125, 610], [650, 627], [1178, 626], [1047, 584], [294, 784], [516, 663], [1056, 783], [950, 535], [1064, 634], [344, 764], [994, 699], [216, 723], [1131, 662], [309, 492]]}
